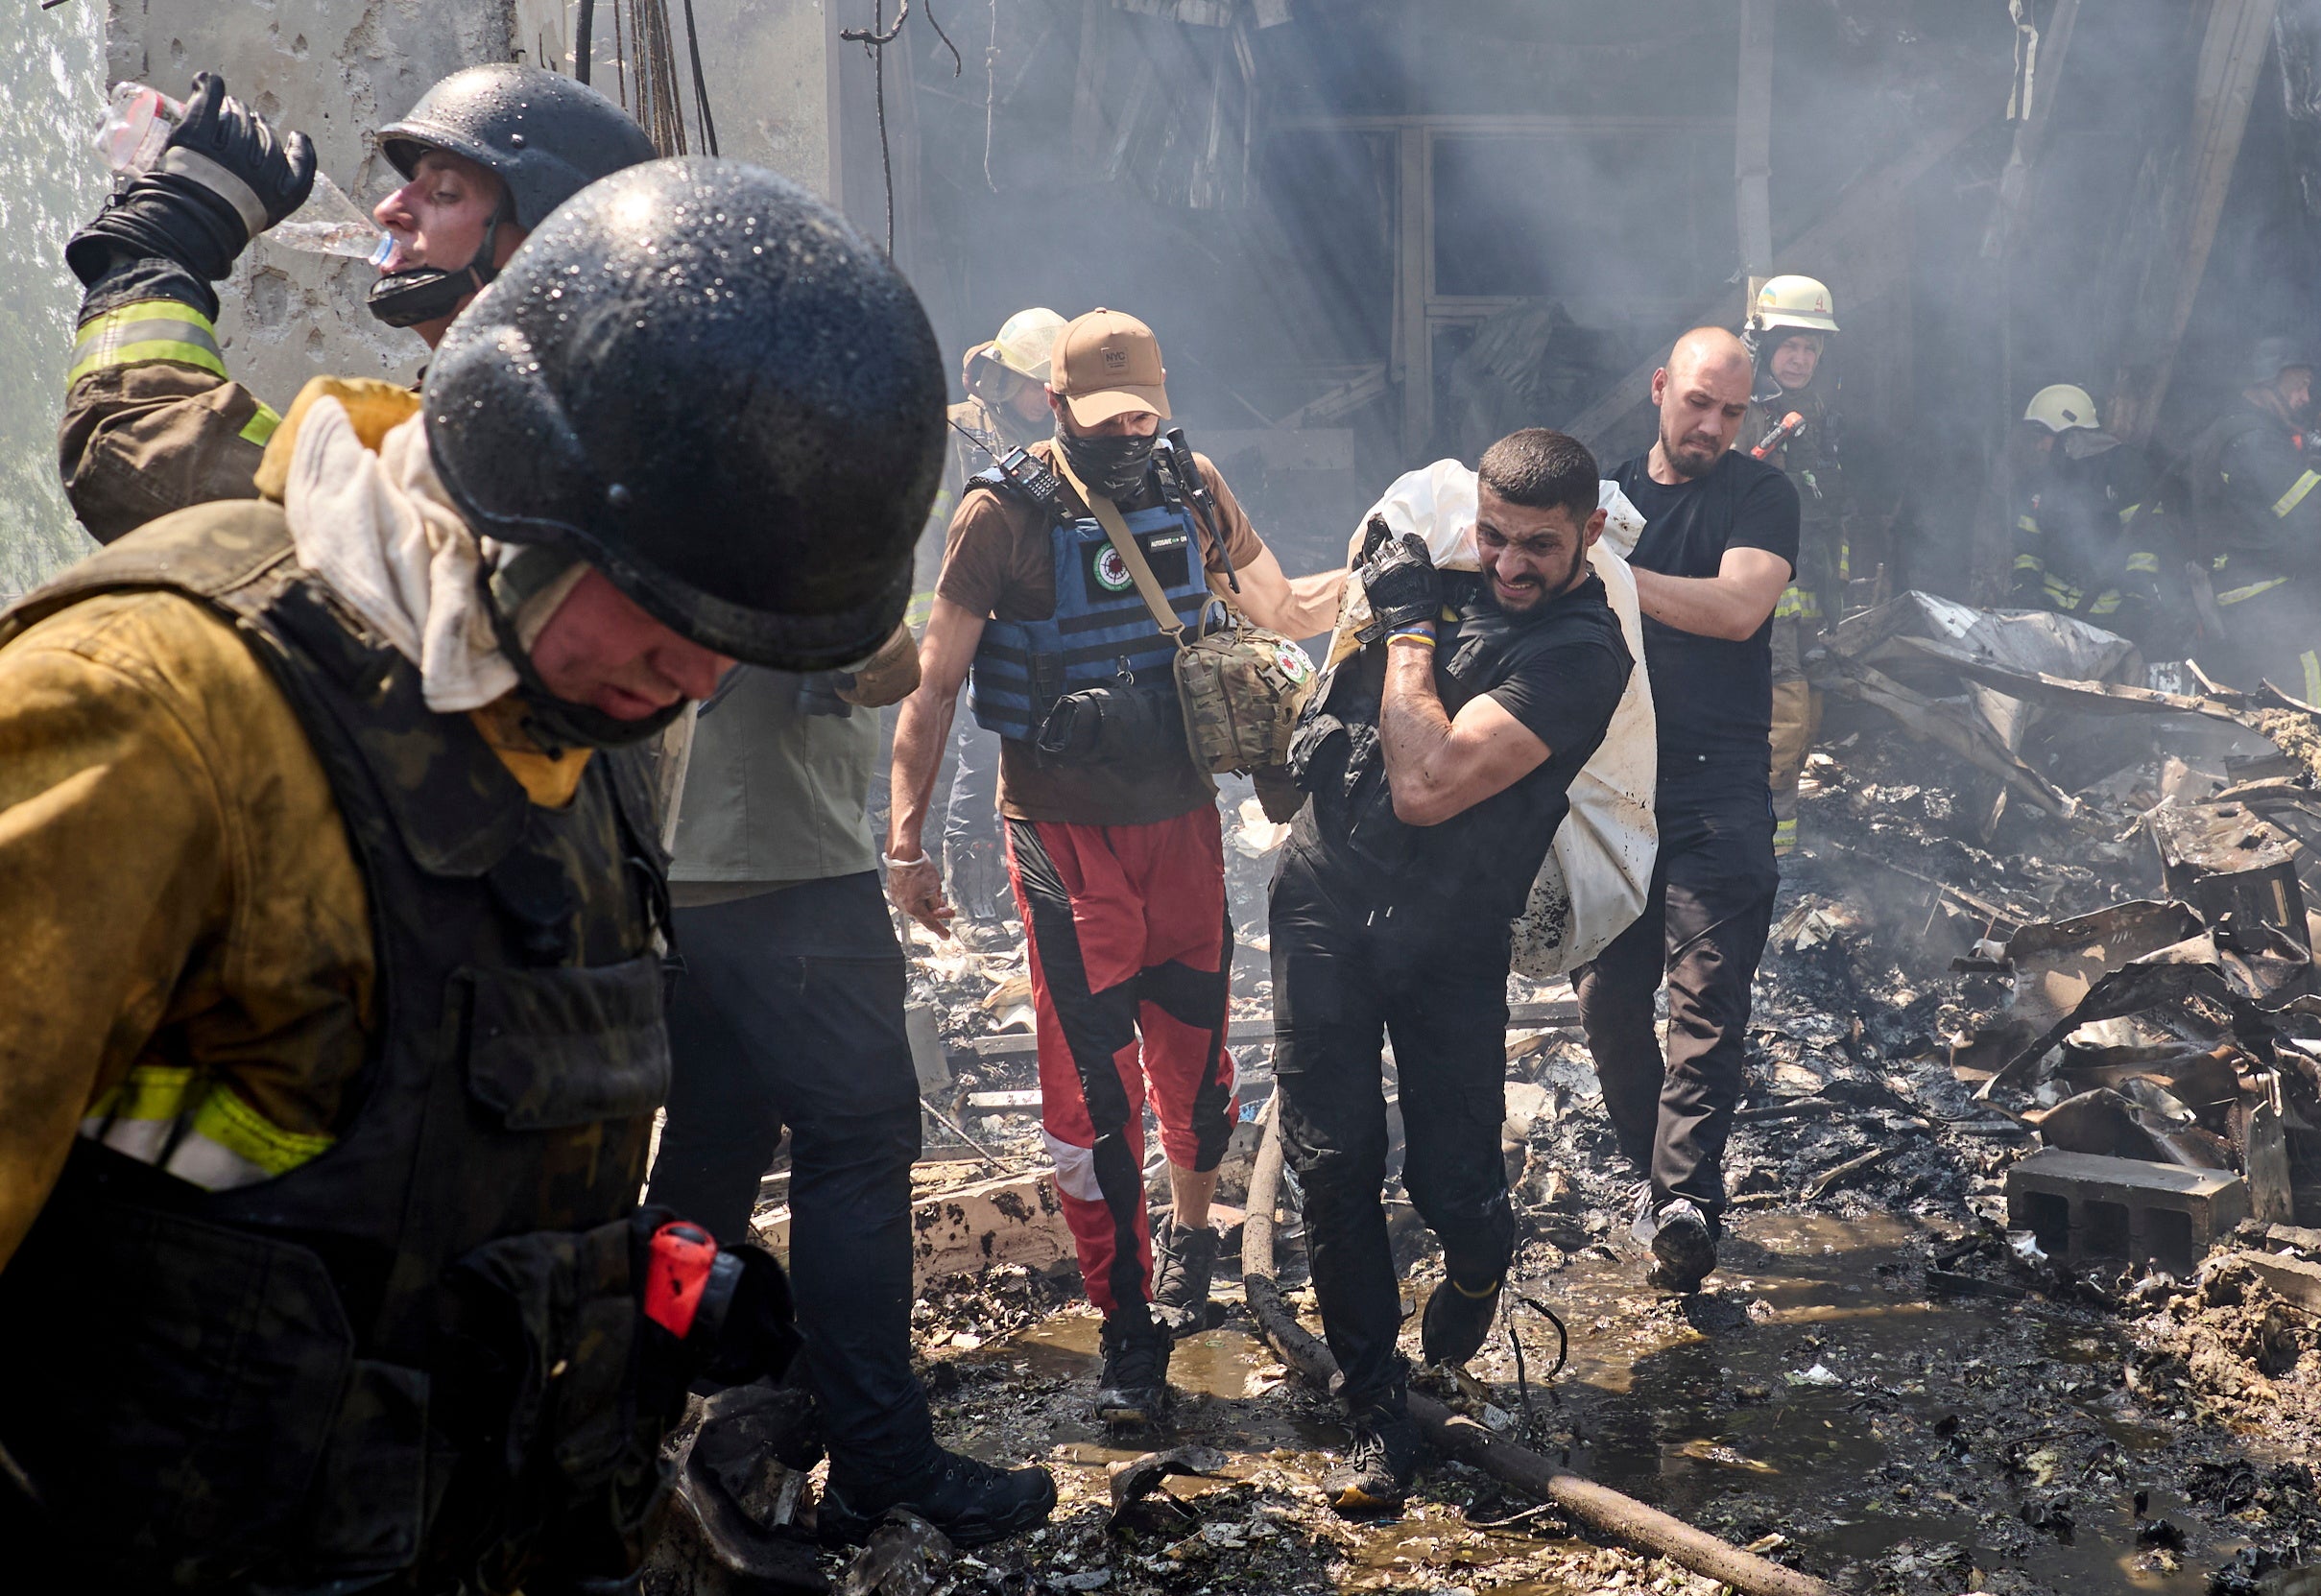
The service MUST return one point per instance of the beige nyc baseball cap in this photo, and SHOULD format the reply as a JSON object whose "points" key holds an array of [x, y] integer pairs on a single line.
{"points": [[1107, 364]]}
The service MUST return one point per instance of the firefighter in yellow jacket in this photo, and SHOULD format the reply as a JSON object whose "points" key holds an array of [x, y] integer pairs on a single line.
{"points": [[153, 420], [330, 1015], [1791, 325]]}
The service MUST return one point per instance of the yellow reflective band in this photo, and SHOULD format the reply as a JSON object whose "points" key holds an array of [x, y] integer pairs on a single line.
{"points": [[921, 605], [2312, 661], [2105, 603], [2146, 564], [223, 1143], [2023, 523], [1785, 835], [1794, 601], [260, 427], [2238, 594], [149, 330], [2295, 496], [1845, 561], [2029, 562], [2129, 514]]}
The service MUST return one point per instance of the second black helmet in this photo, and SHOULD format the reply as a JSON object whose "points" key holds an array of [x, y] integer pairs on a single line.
{"points": [[698, 377]]}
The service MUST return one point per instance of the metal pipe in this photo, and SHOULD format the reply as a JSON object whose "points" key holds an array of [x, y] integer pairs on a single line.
{"points": [[1600, 1508]]}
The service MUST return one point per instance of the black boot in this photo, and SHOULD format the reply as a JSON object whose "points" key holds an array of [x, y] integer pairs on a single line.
{"points": [[1457, 1319], [1683, 1245], [1183, 1263], [1381, 1463], [971, 1502], [1134, 1386]]}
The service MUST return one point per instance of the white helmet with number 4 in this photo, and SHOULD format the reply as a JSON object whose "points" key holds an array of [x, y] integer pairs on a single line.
{"points": [[1798, 302]]}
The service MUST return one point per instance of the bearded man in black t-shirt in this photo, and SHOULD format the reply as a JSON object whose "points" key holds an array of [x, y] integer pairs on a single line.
{"points": [[1719, 546], [1439, 759]]}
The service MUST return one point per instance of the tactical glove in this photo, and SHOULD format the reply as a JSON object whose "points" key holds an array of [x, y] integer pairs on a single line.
{"points": [[1403, 586], [223, 177]]}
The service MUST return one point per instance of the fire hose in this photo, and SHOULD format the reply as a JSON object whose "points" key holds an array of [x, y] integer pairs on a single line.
{"points": [[1600, 1508]]}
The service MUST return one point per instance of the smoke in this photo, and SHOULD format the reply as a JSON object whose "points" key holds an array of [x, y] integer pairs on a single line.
{"points": [[51, 97]]}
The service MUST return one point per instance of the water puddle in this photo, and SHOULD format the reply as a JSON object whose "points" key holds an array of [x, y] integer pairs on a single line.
{"points": [[1813, 1391]]}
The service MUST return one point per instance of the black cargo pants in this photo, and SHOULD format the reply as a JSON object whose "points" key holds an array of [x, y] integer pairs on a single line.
{"points": [[789, 1012], [1345, 979], [1703, 931]]}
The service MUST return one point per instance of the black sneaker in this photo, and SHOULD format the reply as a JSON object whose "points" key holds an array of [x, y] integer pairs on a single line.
{"points": [[971, 1502], [1683, 1245], [1379, 1466], [1183, 1263], [1134, 1386]]}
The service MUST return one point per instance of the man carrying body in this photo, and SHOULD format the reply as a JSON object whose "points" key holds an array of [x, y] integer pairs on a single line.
{"points": [[2257, 524], [331, 1038], [1438, 767], [1116, 852], [152, 422], [1719, 545], [2085, 524], [1793, 320]]}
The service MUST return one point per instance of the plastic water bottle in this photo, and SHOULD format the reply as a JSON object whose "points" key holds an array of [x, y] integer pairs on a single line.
{"points": [[137, 124]]}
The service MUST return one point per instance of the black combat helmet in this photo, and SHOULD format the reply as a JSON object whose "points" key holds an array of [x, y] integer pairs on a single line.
{"points": [[545, 136], [698, 377]]}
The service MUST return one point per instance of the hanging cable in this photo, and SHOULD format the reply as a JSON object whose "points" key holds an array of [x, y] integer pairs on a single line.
{"points": [[700, 87], [958, 66], [991, 96], [875, 40]]}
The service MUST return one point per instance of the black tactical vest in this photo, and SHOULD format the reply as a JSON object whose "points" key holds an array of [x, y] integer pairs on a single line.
{"points": [[416, 1356]]}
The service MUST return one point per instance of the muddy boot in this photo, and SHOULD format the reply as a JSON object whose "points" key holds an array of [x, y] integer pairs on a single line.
{"points": [[1457, 1319], [1183, 1262], [971, 1502], [1379, 1466], [1683, 1245], [1134, 1386]]}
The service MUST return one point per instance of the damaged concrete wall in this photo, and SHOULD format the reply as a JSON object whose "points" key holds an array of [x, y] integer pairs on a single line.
{"points": [[335, 69], [50, 183]]}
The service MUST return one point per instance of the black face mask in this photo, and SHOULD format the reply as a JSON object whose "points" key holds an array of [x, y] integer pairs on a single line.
{"points": [[1111, 465]]}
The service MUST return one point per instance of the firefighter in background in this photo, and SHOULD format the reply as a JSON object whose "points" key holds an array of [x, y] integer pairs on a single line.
{"points": [[2087, 526], [1006, 408], [2256, 527], [1789, 328]]}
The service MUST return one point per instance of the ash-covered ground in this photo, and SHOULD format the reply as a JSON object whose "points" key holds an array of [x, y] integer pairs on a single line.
{"points": [[1878, 1386]]}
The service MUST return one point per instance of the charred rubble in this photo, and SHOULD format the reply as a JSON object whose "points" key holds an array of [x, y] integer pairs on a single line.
{"points": [[2041, 917]]}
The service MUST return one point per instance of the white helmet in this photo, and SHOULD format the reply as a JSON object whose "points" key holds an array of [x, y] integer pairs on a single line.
{"points": [[1027, 340], [2060, 407], [1803, 303]]}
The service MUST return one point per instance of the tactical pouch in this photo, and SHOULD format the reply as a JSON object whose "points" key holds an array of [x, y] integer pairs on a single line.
{"points": [[1103, 725], [558, 1391], [194, 1370], [1239, 689]]}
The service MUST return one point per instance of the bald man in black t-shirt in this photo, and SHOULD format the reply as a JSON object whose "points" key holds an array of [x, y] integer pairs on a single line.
{"points": [[1719, 544]]}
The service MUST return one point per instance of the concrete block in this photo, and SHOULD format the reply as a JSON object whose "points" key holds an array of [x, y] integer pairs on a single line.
{"points": [[927, 1058], [1012, 1219], [2296, 1281], [2088, 1208]]}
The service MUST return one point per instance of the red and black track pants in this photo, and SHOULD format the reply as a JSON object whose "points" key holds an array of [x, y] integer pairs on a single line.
{"points": [[1131, 950]]}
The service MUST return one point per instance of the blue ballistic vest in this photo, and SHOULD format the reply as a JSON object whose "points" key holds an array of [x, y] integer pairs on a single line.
{"points": [[1102, 633]]}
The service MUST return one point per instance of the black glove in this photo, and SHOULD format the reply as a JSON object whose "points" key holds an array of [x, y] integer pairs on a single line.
{"points": [[223, 179], [818, 693], [1403, 585]]}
